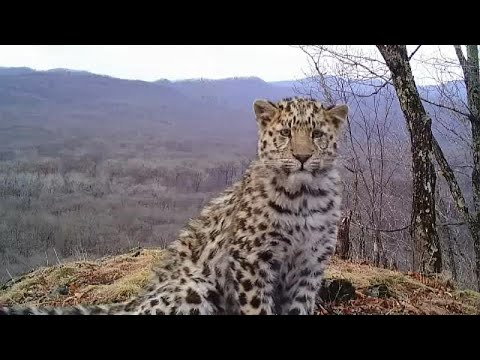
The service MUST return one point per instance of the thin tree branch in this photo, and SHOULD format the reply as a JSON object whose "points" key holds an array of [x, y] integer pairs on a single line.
{"points": [[381, 230], [413, 53], [349, 169], [453, 224], [351, 61], [386, 82], [327, 92], [449, 176], [405, 227], [8, 272], [444, 107]]}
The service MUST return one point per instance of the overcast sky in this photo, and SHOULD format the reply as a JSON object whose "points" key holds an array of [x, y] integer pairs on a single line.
{"points": [[173, 62]]}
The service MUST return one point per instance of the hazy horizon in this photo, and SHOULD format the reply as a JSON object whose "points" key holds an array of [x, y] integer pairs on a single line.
{"points": [[154, 62], [182, 62]]}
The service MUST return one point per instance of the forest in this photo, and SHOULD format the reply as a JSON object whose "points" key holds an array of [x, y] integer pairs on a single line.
{"points": [[92, 165]]}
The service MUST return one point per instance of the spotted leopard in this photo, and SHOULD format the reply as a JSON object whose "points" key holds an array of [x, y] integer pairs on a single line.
{"points": [[260, 247]]}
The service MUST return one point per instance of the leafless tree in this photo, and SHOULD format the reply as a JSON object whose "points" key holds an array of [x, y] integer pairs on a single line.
{"points": [[228, 170], [343, 237], [197, 179], [458, 103], [365, 75], [424, 232]]}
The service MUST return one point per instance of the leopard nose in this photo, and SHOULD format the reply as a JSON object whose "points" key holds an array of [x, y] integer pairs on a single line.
{"points": [[302, 157]]}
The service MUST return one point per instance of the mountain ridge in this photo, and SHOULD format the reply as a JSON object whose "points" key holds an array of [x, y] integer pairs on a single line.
{"points": [[63, 97]]}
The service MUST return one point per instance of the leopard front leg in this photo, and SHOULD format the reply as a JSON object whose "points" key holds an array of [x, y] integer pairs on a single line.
{"points": [[301, 279], [254, 280]]}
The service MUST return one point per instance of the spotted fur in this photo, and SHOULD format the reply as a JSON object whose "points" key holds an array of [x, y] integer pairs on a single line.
{"points": [[261, 247]]}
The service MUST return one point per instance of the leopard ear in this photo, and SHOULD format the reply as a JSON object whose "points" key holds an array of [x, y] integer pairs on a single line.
{"points": [[264, 110], [337, 114]]}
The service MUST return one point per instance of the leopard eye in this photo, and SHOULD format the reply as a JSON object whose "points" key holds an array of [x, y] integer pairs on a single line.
{"points": [[316, 134], [285, 132]]}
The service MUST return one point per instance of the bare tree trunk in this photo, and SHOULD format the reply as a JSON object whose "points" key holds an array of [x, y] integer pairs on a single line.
{"points": [[450, 252], [470, 67], [377, 249], [473, 91], [343, 237], [427, 253], [460, 202], [449, 239], [362, 246], [471, 72]]}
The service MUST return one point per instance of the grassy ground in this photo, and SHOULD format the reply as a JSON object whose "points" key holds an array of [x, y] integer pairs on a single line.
{"points": [[382, 291], [114, 279]]}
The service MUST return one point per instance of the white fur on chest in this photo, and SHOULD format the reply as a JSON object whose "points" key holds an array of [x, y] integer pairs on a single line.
{"points": [[306, 218], [305, 201]]}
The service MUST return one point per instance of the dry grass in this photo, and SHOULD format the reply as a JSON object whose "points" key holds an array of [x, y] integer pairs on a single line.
{"points": [[111, 279], [115, 279], [408, 293]]}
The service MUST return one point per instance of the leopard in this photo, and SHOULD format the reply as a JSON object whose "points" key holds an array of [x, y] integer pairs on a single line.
{"points": [[261, 247]]}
